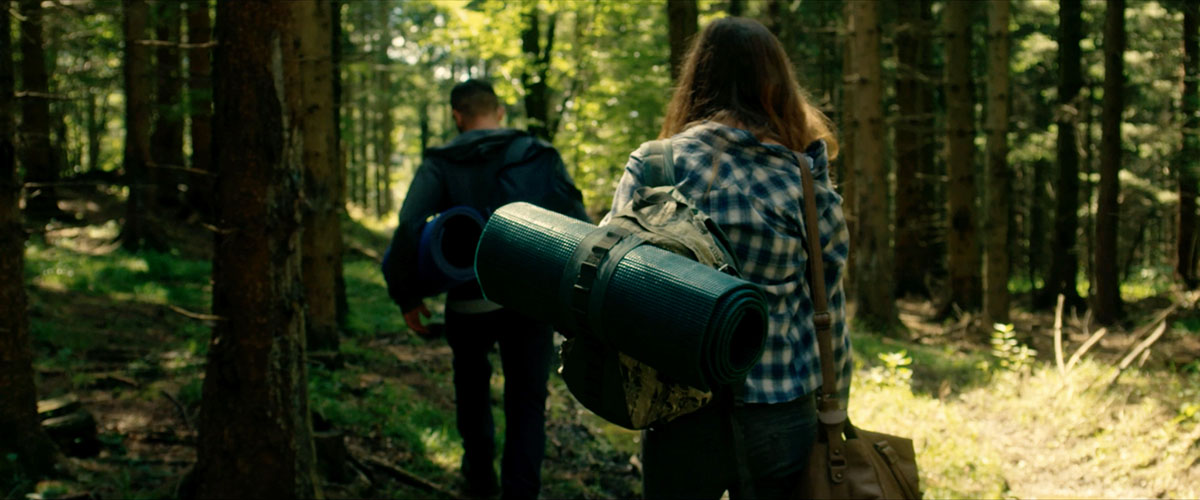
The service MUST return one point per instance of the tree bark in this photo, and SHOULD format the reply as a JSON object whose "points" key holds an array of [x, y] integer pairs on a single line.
{"points": [[1107, 300], [876, 303], [322, 241], [1064, 266], [999, 189], [1188, 170], [963, 240], [682, 25], [22, 435], [537, 68], [913, 146], [40, 168], [140, 228], [847, 178], [255, 434], [339, 156], [200, 98], [166, 140]]}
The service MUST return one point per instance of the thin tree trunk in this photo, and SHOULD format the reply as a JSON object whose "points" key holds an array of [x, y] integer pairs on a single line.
{"points": [[38, 162], [322, 241], [22, 436], [200, 98], [1038, 195], [339, 156], [96, 123], [1188, 170], [1064, 266], [533, 77], [1107, 303], [999, 192], [682, 25], [166, 140], [737, 8], [848, 177], [255, 435], [912, 146], [140, 229], [963, 240], [876, 303]]}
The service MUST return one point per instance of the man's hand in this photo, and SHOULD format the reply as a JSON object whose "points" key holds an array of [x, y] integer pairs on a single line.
{"points": [[413, 318]]}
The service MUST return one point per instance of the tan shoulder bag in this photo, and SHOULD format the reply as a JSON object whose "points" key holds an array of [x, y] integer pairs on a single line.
{"points": [[846, 462]]}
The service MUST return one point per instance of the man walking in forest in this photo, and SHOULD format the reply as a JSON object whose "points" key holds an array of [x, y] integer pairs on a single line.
{"points": [[485, 167]]}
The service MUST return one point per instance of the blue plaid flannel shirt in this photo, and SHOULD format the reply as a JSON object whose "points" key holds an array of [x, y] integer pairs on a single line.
{"points": [[756, 196]]}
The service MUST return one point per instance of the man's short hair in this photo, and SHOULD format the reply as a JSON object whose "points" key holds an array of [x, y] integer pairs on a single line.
{"points": [[473, 98]]}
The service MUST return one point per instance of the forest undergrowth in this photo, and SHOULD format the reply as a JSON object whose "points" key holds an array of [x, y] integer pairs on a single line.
{"points": [[991, 414]]}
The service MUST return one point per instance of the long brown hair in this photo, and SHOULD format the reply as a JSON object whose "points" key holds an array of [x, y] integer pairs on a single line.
{"points": [[737, 72]]}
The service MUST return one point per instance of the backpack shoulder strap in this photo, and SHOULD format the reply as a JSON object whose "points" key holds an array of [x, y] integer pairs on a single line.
{"points": [[516, 149], [660, 164]]}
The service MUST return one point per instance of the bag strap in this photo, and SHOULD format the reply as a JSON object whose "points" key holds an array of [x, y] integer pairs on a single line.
{"points": [[660, 164], [829, 408]]}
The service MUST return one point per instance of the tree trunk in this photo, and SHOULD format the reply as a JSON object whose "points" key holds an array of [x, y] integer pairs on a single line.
{"points": [[1064, 266], [682, 25], [1038, 195], [999, 189], [913, 146], [96, 123], [848, 176], [255, 435], [1188, 160], [200, 98], [322, 240], [876, 304], [36, 158], [1107, 300], [737, 8], [140, 228], [963, 241], [166, 141], [22, 435], [339, 156], [537, 68]]}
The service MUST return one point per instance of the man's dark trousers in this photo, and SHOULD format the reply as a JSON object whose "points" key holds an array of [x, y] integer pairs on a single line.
{"points": [[526, 348]]}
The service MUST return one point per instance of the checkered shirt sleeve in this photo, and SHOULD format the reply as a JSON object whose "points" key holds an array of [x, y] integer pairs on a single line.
{"points": [[755, 193]]}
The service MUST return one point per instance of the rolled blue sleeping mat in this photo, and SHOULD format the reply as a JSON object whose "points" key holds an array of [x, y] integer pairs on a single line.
{"points": [[446, 251], [692, 323]]}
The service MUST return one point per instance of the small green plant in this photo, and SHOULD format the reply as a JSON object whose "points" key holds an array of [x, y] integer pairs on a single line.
{"points": [[895, 371], [1009, 352]]}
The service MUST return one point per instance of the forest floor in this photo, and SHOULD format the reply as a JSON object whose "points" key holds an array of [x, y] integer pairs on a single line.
{"points": [[991, 413]]}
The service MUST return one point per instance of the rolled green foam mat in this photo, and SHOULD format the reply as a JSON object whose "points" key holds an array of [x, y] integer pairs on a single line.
{"points": [[690, 322]]}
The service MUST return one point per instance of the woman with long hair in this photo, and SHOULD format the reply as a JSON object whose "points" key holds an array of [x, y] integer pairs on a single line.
{"points": [[742, 129]]}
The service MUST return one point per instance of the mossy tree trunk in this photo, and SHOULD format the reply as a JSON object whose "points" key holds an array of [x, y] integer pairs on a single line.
{"points": [[322, 240], [22, 433], [255, 433]]}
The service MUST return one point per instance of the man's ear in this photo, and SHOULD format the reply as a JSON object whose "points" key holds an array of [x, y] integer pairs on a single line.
{"points": [[500, 113], [458, 118]]}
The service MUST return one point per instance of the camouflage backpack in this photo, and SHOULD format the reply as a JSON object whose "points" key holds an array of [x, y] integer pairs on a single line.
{"points": [[662, 216]]}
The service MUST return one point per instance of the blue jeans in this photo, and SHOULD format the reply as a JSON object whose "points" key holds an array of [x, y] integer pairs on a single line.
{"points": [[526, 348], [693, 455]]}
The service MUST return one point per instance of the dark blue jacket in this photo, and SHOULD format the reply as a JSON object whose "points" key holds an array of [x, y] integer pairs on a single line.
{"points": [[482, 169]]}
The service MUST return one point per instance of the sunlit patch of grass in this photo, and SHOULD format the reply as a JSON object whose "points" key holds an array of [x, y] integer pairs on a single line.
{"points": [[441, 448], [373, 309], [1036, 432]]}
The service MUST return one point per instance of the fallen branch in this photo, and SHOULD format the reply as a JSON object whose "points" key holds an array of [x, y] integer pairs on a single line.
{"points": [[406, 477], [194, 315], [187, 420], [1143, 346], [1083, 349], [1058, 348]]}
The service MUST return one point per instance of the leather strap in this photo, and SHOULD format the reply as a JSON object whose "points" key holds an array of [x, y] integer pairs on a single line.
{"points": [[829, 408]]}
